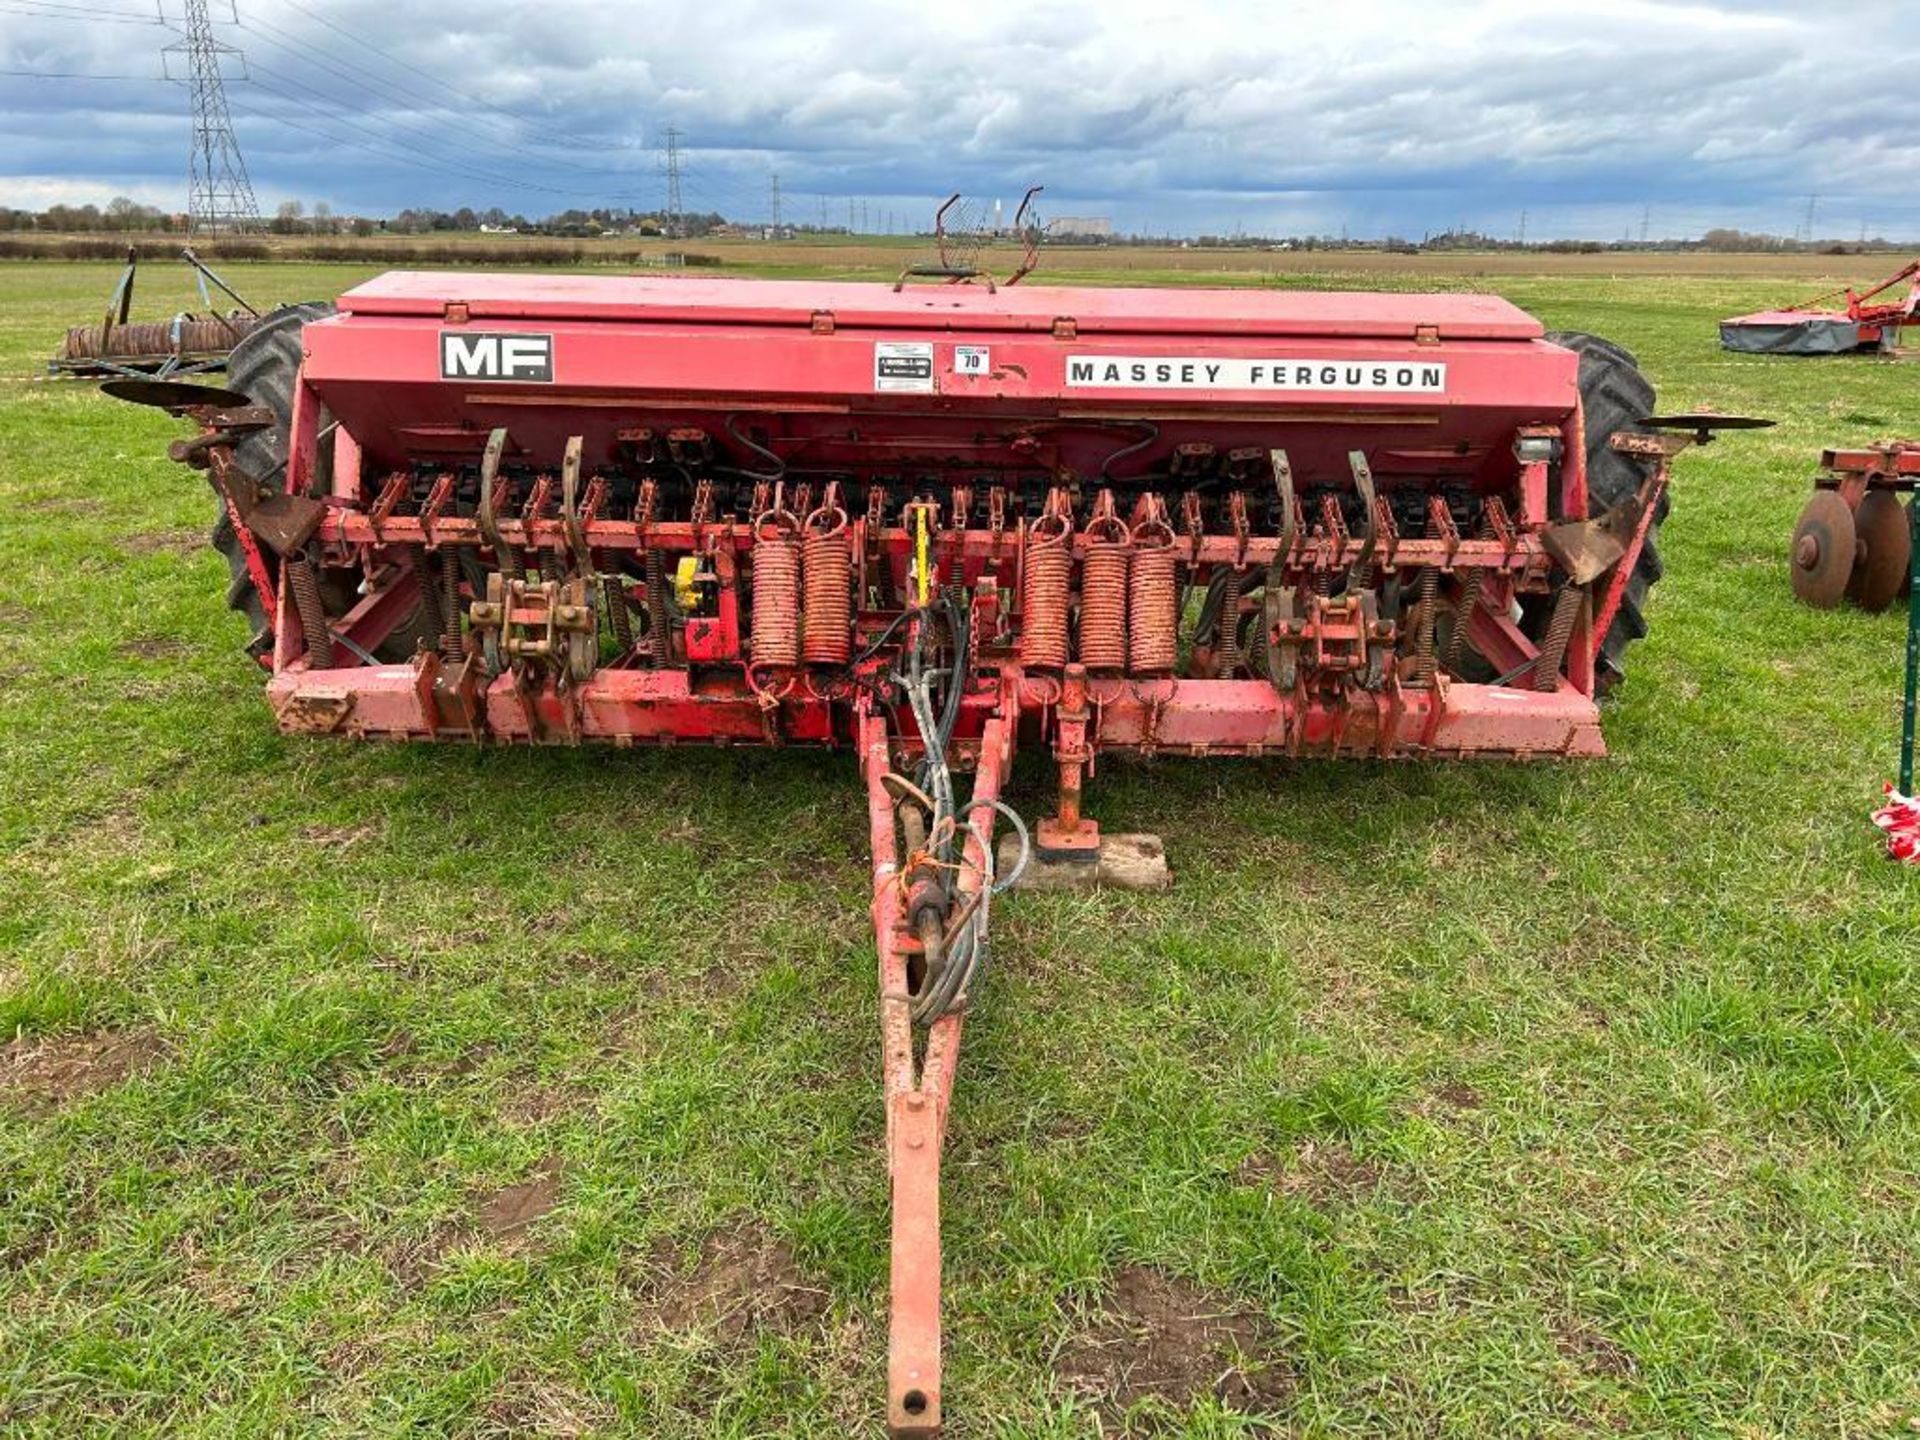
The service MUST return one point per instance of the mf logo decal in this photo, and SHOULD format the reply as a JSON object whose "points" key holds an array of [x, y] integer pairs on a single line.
{"points": [[478, 355]]}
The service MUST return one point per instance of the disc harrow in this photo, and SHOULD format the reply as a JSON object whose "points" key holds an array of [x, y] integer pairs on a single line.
{"points": [[1853, 540]]}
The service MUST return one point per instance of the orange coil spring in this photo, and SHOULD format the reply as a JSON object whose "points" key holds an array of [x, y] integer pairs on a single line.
{"points": [[1154, 596], [453, 645], [829, 586], [1553, 649], [776, 592], [1043, 598], [1227, 648], [312, 610], [1103, 608]]}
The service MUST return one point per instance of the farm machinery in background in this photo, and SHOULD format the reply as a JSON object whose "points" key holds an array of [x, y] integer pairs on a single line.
{"points": [[935, 526], [184, 345], [1867, 322]]}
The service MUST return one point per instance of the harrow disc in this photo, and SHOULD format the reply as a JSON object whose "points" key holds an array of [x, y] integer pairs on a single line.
{"points": [[1823, 550], [172, 394], [1885, 548]]}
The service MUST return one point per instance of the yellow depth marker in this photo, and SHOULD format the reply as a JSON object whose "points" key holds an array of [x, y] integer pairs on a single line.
{"points": [[923, 571]]}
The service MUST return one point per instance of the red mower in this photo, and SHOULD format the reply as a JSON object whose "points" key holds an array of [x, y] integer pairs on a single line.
{"points": [[1867, 323]]}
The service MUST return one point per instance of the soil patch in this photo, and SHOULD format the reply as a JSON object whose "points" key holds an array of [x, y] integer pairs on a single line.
{"points": [[152, 647], [43, 1074], [413, 1263], [165, 542], [1590, 1350], [744, 1280], [509, 1211], [535, 1104], [1165, 1339], [1315, 1172], [540, 1408]]}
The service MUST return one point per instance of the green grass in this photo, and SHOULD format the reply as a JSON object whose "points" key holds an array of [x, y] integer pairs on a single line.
{"points": [[1513, 1101]]}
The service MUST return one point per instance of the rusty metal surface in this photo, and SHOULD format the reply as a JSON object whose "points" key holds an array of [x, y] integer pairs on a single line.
{"points": [[1587, 549], [1884, 546], [154, 341], [1822, 551], [175, 395], [1893, 464]]}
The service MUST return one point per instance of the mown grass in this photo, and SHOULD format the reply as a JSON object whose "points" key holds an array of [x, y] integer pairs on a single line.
{"points": [[1513, 1101]]}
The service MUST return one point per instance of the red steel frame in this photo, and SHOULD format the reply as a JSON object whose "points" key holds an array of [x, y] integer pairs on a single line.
{"points": [[917, 1091], [1891, 465], [803, 356]]}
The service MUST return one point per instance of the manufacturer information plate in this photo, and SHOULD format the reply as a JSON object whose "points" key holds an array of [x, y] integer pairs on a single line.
{"points": [[903, 365], [1217, 372]]}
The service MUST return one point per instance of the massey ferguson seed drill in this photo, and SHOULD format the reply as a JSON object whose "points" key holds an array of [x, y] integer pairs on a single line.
{"points": [[935, 526]]}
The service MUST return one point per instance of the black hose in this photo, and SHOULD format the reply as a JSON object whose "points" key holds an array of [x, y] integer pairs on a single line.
{"points": [[779, 471], [1208, 625], [1152, 434]]}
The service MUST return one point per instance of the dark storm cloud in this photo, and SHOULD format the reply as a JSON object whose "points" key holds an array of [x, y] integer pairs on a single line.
{"points": [[1381, 116]]}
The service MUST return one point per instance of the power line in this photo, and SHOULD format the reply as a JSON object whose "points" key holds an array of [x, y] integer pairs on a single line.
{"points": [[356, 75], [406, 99], [377, 145], [357, 122], [392, 59], [431, 167], [92, 12], [78, 75], [388, 146], [40, 10]]}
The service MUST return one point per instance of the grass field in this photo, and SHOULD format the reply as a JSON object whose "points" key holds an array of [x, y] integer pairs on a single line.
{"points": [[368, 1090]]}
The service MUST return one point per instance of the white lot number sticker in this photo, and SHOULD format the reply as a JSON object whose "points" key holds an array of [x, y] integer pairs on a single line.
{"points": [[903, 365], [1183, 372], [972, 360]]}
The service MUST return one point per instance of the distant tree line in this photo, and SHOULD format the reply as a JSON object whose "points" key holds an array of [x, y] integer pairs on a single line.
{"points": [[122, 216]]}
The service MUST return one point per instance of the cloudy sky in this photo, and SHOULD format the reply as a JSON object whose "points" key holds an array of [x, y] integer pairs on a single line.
{"points": [[1390, 117]]}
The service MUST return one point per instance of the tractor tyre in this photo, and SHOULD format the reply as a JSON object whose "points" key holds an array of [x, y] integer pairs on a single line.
{"points": [[1615, 397], [265, 367]]}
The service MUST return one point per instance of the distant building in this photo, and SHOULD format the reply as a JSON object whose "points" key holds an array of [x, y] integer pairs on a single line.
{"points": [[1073, 227]]}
